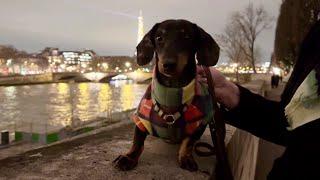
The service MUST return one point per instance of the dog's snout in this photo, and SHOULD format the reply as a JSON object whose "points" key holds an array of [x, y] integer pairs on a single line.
{"points": [[169, 66]]}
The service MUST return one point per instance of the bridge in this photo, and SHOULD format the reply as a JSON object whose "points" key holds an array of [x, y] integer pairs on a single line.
{"points": [[137, 76]]}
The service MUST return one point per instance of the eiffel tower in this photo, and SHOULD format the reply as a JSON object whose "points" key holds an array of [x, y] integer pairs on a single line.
{"points": [[140, 28]]}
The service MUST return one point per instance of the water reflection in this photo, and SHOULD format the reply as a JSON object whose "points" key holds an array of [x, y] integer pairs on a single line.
{"points": [[83, 101], [126, 96], [104, 98], [8, 103], [52, 103], [10, 92], [59, 104]]}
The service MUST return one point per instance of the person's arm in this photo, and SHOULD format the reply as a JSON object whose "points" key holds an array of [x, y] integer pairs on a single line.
{"points": [[249, 111], [259, 116]]}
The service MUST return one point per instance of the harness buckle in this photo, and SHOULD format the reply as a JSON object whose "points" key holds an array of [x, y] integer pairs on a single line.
{"points": [[167, 118], [171, 118]]}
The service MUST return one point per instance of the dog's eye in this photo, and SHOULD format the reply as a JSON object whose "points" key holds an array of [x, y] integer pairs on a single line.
{"points": [[159, 39]]}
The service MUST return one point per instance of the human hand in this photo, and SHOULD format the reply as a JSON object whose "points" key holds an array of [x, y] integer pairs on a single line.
{"points": [[227, 93]]}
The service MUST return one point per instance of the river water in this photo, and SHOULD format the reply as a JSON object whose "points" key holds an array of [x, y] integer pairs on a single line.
{"points": [[54, 104]]}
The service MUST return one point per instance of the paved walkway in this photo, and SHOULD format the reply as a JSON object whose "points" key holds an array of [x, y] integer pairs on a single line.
{"points": [[90, 158], [275, 93], [268, 151]]}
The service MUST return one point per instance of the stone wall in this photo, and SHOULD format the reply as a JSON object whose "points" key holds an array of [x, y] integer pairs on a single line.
{"points": [[28, 79]]}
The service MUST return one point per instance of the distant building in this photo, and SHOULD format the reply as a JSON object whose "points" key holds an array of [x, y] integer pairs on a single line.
{"points": [[78, 61], [3, 67], [116, 63], [62, 61], [53, 57], [27, 64], [31, 64], [2, 61]]}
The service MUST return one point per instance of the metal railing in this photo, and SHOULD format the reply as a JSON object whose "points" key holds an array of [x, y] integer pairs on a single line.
{"points": [[44, 133]]}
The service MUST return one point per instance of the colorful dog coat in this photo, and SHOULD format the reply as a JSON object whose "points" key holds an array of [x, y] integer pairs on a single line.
{"points": [[194, 108]]}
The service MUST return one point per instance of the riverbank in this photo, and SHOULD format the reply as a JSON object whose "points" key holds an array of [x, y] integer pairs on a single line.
{"points": [[28, 141], [91, 156]]}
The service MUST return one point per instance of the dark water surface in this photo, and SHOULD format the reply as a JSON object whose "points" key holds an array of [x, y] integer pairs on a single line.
{"points": [[54, 104]]}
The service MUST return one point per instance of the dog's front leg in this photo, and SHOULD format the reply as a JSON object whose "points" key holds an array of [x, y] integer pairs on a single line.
{"points": [[130, 160], [185, 157]]}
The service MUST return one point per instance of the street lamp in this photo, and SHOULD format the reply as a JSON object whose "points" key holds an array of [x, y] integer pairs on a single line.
{"points": [[105, 65], [127, 64], [276, 71], [83, 65], [9, 62], [63, 66]]}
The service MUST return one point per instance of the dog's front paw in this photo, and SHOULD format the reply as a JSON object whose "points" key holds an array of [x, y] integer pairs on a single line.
{"points": [[188, 163], [124, 163]]}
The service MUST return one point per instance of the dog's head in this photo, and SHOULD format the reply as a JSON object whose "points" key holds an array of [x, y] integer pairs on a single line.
{"points": [[175, 44]]}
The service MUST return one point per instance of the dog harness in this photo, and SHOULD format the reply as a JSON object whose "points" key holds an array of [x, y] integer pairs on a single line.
{"points": [[304, 106], [193, 104]]}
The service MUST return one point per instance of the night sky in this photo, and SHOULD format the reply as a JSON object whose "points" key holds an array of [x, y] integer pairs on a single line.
{"points": [[110, 27]]}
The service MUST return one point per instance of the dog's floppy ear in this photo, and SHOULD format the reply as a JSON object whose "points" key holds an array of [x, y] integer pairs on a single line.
{"points": [[207, 49], [145, 48]]}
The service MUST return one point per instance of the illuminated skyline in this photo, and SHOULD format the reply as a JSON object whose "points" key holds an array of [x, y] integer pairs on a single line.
{"points": [[110, 27]]}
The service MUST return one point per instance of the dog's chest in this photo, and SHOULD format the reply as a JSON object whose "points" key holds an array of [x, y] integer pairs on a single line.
{"points": [[191, 109]]}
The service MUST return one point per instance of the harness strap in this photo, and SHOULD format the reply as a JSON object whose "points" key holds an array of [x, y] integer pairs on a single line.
{"points": [[169, 118]]}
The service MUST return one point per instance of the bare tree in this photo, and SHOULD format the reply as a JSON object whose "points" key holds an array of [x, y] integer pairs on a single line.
{"points": [[8, 52], [230, 43], [250, 23], [294, 22]]}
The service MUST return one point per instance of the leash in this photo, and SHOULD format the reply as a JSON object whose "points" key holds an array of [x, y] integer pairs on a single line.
{"points": [[217, 130], [211, 151]]}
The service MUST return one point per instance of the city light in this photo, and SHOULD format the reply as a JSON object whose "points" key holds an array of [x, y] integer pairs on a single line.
{"points": [[65, 61], [9, 62], [105, 65], [127, 64], [276, 70], [94, 76], [63, 66]]}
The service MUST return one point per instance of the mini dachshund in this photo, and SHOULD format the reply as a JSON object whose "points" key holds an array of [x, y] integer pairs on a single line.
{"points": [[178, 46]]}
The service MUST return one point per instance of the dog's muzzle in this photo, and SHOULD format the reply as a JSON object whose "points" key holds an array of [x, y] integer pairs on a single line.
{"points": [[169, 68]]}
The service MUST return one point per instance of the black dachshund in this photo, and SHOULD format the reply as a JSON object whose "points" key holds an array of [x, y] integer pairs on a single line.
{"points": [[177, 45]]}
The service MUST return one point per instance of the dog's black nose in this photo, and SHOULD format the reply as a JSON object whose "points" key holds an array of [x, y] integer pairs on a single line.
{"points": [[169, 66]]}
